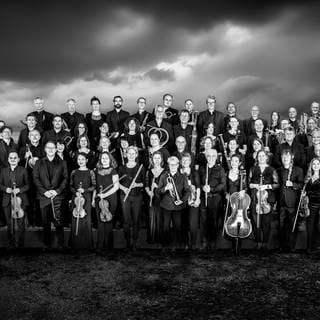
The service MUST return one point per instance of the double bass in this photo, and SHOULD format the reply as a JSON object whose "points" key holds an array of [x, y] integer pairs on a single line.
{"points": [[238, 225]]}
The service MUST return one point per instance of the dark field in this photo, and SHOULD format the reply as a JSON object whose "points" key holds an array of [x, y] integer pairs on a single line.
{"points": [[151, 285]]}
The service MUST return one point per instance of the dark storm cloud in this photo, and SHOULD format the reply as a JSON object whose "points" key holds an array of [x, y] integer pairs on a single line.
{"points": [[159, 75], [56, 41]]}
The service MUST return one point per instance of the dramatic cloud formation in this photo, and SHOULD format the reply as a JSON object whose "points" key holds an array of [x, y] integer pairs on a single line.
{"points": [[260, 53]]}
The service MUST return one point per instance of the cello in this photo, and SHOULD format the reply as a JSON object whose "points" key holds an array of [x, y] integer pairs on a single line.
{"points": [[238, 225]]}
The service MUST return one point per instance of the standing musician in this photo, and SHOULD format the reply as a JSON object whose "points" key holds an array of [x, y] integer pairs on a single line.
{"points": [[174, 191], [291, 181], [211, 115], [159, 122], [295, 147], [151, 186], [117, 117], [72, 117], [142, 115], [44, 118], [131, 132], [206, 143], [171, 114], [213, 185], [293, 121], [311, 151], [83, 146], [184, 129], [57, 133], [189, 105], [233, 132], [259, 129], [7, 144], [31, 124], [131, 196], [190, 218], [82, 184], [313, 193], [315, 112], [263, 180], [305, 138], [251, 158], [14, 183], [105, 199], [94, 119], [249, 127], [275, 130], [50, 176], [232, 149], [181, 145]]}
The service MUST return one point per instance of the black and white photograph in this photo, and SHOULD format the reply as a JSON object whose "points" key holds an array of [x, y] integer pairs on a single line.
{"points": [[159, 159]]}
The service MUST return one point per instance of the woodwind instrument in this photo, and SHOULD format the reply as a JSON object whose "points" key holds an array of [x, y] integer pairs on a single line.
{"points": [[174, 193], [194, 115], [224, 150], [30, 157], [206, 193], [132, 183]]}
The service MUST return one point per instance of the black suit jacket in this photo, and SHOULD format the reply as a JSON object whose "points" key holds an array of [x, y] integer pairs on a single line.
{"points": [[58, 182], [205, 117], [116, 120], [44, 120], [72, 120], [22, 182], [248, 126]]}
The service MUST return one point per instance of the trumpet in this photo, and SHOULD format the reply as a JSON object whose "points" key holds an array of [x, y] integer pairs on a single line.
{"points": [[173, 192]]}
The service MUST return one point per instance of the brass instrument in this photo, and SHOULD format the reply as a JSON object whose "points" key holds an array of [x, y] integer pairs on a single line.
{"points": [[174, 193], [224, 150], [303, 123], [132, 183], [279, 134], [67, 141], [162, 132], [168, 114]]}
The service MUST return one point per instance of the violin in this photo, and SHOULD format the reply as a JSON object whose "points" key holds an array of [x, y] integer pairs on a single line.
{"points": [[238, 225], [105, 213], [16, 209], [78, 211], [262, 207]]}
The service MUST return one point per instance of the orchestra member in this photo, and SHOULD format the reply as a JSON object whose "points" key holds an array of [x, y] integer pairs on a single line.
{"points": [[206, 143], [249, 124], [184, 129], [311, 151], [142, 115], [181, 145], [306, 138], [171, 114], [105, 199], [263, 179], [232, 149], [44, 118], [131, 187], [151, 185], [7, 144], [50, 176], [82, 184], [117, 117], [213, 185], [83, 146], [31, 124], [251, 158], [190, 216], [131, 132], [259, 132], [231, 113], [314, 112], [94, 119], [293, 122], [72, 117], [14, 183], [174, 192], [291, 181], [189, 105], [211, 115], [233, 132]]}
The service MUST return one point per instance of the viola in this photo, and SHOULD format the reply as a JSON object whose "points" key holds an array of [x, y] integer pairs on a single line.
{"points": [[238, 225], [78, 211], [262, 206], [16, 209], [105, 213]]}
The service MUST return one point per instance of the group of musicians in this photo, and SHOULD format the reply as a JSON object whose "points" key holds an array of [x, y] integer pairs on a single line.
{"points": [[175, 171]]}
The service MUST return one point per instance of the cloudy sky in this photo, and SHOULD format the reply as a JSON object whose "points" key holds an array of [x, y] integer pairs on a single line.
{"points": [[265, 53]]}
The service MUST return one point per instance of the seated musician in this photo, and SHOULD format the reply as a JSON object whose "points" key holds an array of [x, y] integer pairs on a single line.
{"points": [[291, 181], [105, 199], [263, 180], [131, 196], [190, 216], [50, 176], [174, 191], [213, 185], [14, 184]]}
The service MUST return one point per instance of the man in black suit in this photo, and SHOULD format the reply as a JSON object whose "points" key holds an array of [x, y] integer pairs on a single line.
{"points": [[14, 182], [72, 117], [142, 115], [44, 118], [117, 117], [50, 176], [211, 115]]}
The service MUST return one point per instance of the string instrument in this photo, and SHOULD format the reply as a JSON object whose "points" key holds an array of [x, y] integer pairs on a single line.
{"points": [[206, 193], [194, 135], [78, 211], [224, 150], [238, 225], [174, 193], [16, 209], [262, 206], [132, 183]]}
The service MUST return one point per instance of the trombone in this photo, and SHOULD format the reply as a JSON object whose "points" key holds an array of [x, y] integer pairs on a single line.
{"points": [[174, 193]]}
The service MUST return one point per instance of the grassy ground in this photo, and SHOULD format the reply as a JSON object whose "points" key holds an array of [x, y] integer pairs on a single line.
{"points": [[151, 285]]}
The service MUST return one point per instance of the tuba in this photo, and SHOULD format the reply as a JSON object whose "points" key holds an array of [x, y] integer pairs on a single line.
{"points": [[174, 193]]}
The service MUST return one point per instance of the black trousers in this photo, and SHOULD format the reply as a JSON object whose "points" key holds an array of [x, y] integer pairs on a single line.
{"points": [[15, 228], [131, 210], [190, 222], [209, 217], [313, 226], [175, 217], [287, 237], [56, 218]]}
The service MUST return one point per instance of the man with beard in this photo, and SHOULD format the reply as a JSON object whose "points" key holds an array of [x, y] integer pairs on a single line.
{"points": [[117, 117], [44, 118]]}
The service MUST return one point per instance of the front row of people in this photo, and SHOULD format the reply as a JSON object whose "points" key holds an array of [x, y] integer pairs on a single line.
{"points": [[179, 200]]}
